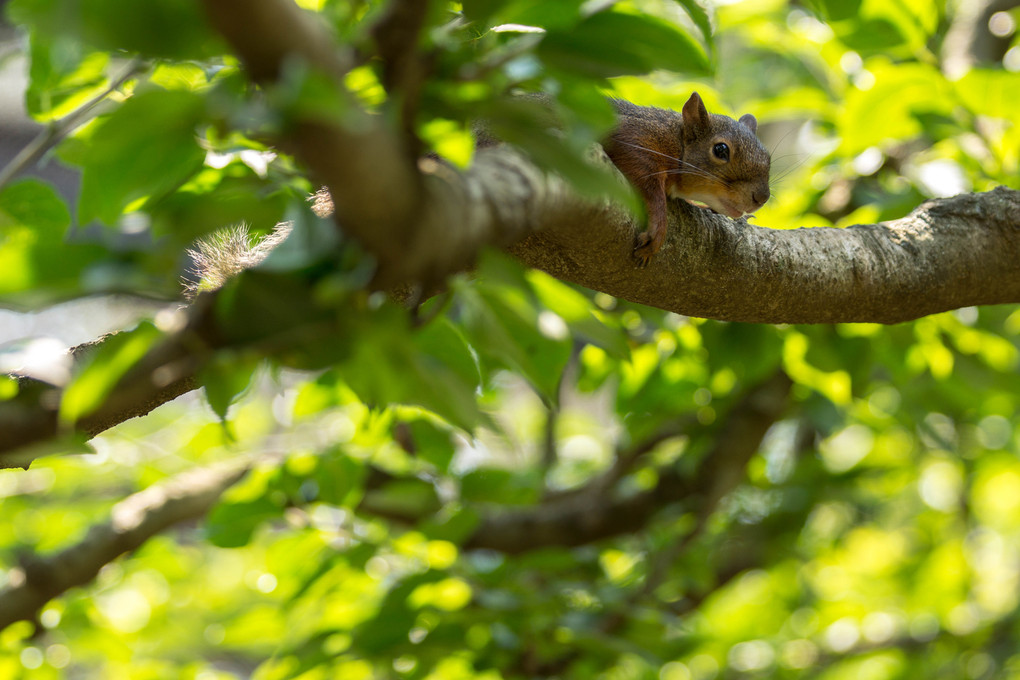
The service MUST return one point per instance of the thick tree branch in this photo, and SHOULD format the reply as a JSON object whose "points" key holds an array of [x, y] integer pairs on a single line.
{"points": [[397, 35], [134, 520], [947, 254], [591, 516]]}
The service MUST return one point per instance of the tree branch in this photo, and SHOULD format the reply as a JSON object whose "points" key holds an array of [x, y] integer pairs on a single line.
{"points": [[32, 416], [969, 41], [133, 521], [588, 517], [397, 35], [368, 168], [572, 521], [947, 254]]}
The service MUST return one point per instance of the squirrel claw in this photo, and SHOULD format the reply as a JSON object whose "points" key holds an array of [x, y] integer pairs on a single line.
{"points": [[644, 250]]}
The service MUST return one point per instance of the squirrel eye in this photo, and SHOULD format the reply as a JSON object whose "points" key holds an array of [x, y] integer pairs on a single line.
{"points": [[721, 151]]}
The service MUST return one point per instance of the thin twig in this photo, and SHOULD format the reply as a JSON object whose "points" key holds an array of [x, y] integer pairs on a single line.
{"points": [[50, 135], [550, 452], [405, 68]]}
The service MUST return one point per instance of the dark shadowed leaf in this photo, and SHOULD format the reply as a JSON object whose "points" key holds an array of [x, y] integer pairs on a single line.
{"points": [[641, 43], [156, 28]]}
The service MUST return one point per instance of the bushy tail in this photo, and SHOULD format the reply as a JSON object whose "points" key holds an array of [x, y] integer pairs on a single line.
{"points": [[228, 252]]}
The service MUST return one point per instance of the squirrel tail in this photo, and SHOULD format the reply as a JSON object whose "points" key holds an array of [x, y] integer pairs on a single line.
{"points": [[227, 253]]}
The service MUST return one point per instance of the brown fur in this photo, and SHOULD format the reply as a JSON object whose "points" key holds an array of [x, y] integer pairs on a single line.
{"points": [[669, 153]]}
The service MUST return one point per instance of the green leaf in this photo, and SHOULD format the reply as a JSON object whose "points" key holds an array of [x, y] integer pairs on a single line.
{"points": [[700, 18], [541, 13], [62, 76], [456, 526], [261, 305], [494, 485], [231, 525], [117, 355], [640, 44], [340, 478], [503, 328], [991, 93], [431, 442], [445, 343], [225, 377], [885, 114], [208, 204], [751, 351], [391, 365], [407, 498], [393, 621], [34, 203], [578, 313], [143, 150], [37, 264], [837, 10], [244, 508], [531, 125], [427, 382], [872, 35]]}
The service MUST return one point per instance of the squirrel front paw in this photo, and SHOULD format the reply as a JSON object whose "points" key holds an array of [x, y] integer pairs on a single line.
{"points": [[645, 249]]}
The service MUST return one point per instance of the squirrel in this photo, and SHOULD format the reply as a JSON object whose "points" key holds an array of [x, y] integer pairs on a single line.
{"points": [[691, 155]]}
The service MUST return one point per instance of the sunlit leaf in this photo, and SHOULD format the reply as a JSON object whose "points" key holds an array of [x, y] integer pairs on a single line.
{"points": [[37, 261], [143, 150], [117, 355]]}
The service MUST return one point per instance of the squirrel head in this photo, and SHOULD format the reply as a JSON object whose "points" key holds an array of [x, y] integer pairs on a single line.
{"points": [[724, 164]]}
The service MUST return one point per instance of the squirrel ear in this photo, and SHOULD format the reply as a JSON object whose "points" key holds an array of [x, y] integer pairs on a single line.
{"points": [[695, 113], [750, 122]]}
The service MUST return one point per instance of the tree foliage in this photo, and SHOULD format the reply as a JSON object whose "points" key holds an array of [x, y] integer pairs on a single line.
{"points": [[498, 474]]}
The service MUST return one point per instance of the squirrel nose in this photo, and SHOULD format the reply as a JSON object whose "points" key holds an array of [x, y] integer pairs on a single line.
{"points": [[760, 196]]}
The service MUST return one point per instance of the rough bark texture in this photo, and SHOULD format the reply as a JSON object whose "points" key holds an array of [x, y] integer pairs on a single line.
{"points": [[949, 253]]}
